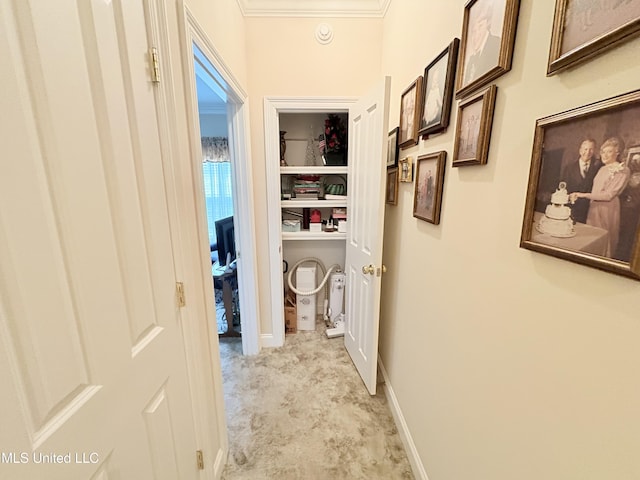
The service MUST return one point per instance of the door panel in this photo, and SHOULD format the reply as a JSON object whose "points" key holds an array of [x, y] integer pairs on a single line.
{"points": [[367, 143], [92, 357]]}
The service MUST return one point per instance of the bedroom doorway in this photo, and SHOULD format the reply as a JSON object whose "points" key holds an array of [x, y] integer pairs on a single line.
{"points": [[218, 112], [218, 194]]}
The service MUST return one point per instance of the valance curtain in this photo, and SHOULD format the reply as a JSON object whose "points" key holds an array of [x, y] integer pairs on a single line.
{"points": [[216, 170]]}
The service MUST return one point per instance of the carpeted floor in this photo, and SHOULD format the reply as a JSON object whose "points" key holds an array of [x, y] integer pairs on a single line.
{"points": [[302, 412]]}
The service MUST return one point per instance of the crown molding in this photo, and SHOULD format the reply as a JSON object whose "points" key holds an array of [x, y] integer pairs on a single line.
{"points": [[314, 8]]}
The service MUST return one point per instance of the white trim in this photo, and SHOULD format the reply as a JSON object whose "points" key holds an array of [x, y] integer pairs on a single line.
{"points": [[273, 107], [267, 340], [314, 8], [242, 177], [237, 115], [405, 435]]}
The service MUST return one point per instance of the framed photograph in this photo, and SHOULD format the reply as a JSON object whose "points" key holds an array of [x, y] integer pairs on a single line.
{"points": [[633, 155], [486, 49], [438, 87], [473, 128], [392, 148], [585, 28], [583, 198], [406, 169], [427, 196], [409, 114], [392, 186]]}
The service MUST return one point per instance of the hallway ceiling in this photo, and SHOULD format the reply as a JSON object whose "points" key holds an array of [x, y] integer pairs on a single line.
{"points": [[313, 8]]}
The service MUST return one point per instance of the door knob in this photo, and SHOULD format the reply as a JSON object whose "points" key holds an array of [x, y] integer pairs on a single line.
{"points": [[368, 269]]}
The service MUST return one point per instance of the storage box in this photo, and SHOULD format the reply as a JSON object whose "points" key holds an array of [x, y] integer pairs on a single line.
{"points": [[315, 227], [290, 313], [290, 319], [342, 226], [291, 225]]}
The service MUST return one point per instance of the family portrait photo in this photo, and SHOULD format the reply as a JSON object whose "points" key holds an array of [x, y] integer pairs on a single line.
{"points": [[488, 35], [392, 148], [427, 196], [583, 28], [473, 128], [392, 186], [583, 202], [438, 86], [409, 111]]}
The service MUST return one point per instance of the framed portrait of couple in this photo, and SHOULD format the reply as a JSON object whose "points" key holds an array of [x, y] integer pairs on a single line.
{"points": [[391, 196], [392, 148], [486, 49], [473, 128], [585, 28], [438, 88], [583, 198], [409, 114], [427, 194]]}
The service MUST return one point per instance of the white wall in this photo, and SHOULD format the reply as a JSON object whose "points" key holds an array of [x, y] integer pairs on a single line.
{"points": [[506, 363], [284, 59], [225, 27]]}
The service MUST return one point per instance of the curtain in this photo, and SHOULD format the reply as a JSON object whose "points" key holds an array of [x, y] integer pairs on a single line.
{"points": [[216, 170]]}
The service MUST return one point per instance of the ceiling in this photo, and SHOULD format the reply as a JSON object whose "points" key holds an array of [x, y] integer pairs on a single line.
{"points": [[209, 99], [313, 8]]}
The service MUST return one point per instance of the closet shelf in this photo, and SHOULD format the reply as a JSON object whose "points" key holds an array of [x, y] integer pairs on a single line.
{"points": [[306, 235], [315, 170]]}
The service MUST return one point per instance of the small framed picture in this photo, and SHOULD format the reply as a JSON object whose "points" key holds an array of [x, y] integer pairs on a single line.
{"points": [[583, 198], [473, 128], [438, 87], [633, 156], [409, 112], [585, 28], [392, 148], [392, 186], [427, 196], [405, 165], [486, 49]]}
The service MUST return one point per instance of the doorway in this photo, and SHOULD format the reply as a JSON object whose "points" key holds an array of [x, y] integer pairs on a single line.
{"points": [[218, 193], [228, 115]]}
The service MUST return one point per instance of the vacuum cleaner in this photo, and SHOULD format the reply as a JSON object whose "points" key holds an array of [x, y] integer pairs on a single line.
{"points": [[306, 290]]}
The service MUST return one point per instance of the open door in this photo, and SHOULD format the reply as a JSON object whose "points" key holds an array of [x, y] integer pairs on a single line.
{"points": [[368, 127], [92, 363]]}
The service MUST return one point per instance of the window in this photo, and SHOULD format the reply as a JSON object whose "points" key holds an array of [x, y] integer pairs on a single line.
{"points": [[217, 193]]}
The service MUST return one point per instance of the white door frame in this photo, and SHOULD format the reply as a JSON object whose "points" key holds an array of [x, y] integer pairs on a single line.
{"points": [[241, 172], [273, 107]]}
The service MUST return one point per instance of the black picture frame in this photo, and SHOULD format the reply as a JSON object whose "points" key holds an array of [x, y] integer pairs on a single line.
{"points": [[438, 85]]}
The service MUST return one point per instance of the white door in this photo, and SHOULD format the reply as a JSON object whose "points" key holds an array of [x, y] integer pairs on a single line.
{"points": [[92, 364], [368, 124]]}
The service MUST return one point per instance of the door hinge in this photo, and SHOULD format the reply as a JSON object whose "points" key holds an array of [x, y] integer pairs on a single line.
{"points": [[200, 459], [180, 294], [155, 65]]}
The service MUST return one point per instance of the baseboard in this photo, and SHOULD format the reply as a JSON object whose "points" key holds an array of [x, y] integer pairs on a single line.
{"points": [[405, 435], [219, 464]]}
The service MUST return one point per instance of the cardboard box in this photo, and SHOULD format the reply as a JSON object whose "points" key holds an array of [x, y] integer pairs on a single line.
{"points": [[290, 312], [290, 319]]}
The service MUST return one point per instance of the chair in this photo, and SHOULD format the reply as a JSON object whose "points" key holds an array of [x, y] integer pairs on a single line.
{"points": [[214, 253]]}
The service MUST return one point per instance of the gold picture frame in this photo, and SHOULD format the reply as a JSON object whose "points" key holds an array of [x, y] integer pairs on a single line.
{"points": [[427, 193], [486, 48], [392, 186], [473, 128], [609, 238], [410, 101], [405, 166], [582, 30]]}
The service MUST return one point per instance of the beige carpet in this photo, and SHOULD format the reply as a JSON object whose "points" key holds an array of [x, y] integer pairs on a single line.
{"points": [[302, 412]]}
